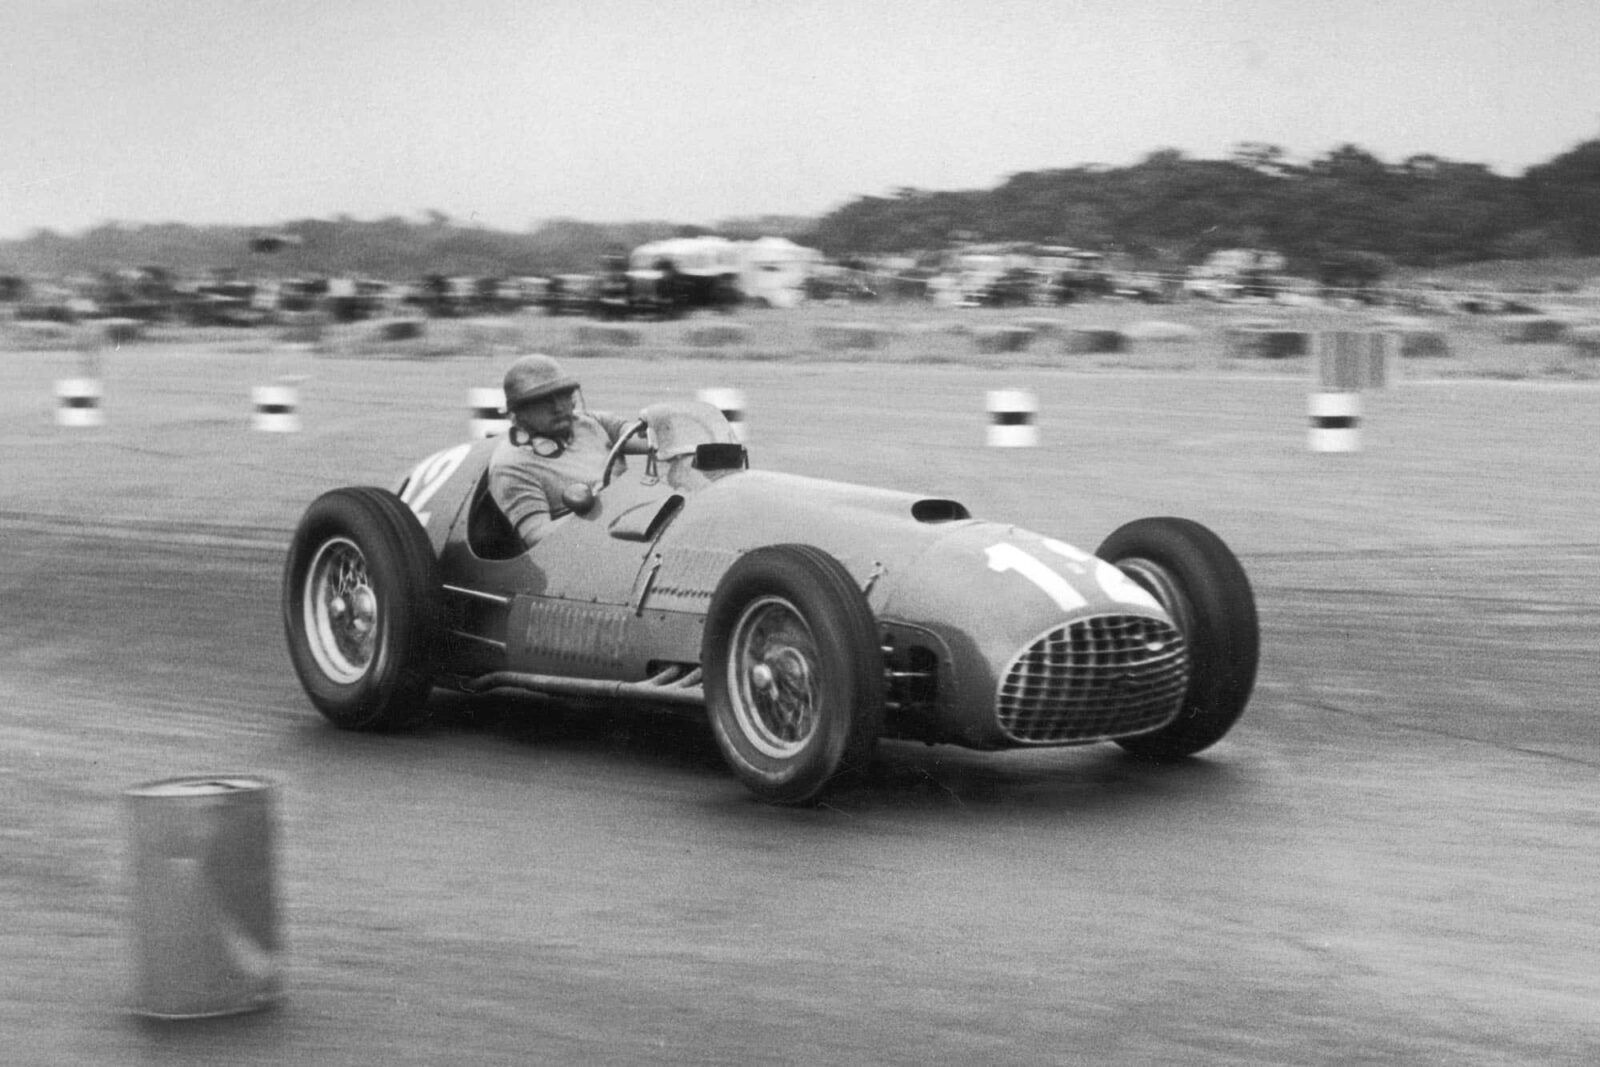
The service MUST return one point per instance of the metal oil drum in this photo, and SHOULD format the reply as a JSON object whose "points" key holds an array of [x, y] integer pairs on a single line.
{"points": [[204, 907]]}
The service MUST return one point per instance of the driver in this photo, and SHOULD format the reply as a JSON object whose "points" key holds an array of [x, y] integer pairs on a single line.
{"points": [[553, 443]]}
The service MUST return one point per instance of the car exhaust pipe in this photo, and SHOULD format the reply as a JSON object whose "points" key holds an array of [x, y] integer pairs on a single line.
{"points": [[673, 685]]}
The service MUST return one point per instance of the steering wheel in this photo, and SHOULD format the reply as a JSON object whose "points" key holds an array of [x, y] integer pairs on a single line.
{"points": [[634, 429]]}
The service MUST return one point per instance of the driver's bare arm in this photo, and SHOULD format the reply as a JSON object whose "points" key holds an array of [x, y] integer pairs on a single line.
{"points": [[522, 498]]}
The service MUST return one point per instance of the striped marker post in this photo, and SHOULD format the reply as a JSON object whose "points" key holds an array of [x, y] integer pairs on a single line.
{"points": [[78, 402], [731, 403], [1335, 422], [486, 408], [275, 408], [1011, 418]]}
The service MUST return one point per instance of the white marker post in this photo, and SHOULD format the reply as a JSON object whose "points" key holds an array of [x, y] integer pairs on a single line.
{"points": [[487, 414], [276, 408], [78, 402], [1335, 422], [1011, 418]]}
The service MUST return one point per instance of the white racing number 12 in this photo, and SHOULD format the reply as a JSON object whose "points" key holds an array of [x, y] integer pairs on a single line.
{"points": [[426, 479], [1008, 557], [1111, 579], [1115, 584]]}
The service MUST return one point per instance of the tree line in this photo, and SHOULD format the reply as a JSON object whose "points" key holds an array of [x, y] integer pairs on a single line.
{"points": [[1165, 212], [1170, 211]]}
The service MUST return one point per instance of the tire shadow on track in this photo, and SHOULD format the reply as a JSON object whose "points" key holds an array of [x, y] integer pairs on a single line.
{"points": [[903, 779], [674, 742], [602, 746], [907, 778]]}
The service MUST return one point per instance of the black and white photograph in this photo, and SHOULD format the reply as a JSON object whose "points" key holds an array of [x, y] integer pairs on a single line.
{"points": [[811, 534]]}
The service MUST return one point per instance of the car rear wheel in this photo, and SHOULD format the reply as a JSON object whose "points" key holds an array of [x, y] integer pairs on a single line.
{"points": [[361, 607], [1201, 584], [793, 672]]}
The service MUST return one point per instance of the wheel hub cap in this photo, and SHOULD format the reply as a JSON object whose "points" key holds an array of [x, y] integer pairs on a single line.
{"points": [[340, 611], [773, 676]]}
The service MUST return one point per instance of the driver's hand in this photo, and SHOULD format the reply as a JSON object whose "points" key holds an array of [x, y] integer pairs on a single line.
{"points": [[639, 440]]}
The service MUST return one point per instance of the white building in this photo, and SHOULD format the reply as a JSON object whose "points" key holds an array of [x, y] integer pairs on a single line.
{"points": [[771, 271]]}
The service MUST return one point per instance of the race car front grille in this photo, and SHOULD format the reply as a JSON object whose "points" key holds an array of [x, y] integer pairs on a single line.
{"points": [[1097, 678]]}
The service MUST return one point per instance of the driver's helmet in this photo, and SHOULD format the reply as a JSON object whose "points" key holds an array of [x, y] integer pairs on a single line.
{"points": [[534, 378]]}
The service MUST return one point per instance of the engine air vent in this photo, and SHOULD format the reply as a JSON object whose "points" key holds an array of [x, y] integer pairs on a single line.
{"points": [[935, 510]]}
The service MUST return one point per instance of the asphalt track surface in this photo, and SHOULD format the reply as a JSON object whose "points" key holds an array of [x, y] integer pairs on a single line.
{"points": [[1391, 860]]}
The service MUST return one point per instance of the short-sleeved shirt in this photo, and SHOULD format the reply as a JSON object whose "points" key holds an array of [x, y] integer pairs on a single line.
{"points": [[527, 486]]}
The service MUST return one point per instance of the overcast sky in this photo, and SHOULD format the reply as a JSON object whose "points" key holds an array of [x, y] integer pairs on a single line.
{"points": [[507, 112]]}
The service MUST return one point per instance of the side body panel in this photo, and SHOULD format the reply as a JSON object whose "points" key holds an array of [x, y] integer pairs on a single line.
{"points": [[972, 594], [620, 591], [571, 605], [437, 488]]}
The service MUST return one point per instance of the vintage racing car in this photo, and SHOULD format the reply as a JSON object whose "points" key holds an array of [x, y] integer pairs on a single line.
{"points": [[808, 618]]}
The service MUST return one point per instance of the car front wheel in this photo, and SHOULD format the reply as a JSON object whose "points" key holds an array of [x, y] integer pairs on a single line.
{"points": [[1201, 585], [793, 672]]}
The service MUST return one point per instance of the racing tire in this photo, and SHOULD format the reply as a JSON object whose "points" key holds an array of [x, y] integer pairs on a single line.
{"points": [[362, 606], [793, 672], [1201, 584]]}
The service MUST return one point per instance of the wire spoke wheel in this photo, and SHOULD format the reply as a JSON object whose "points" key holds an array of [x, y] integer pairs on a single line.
{"points": [[361, 608], [341, 609], [793, 672], [773, 677]]}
